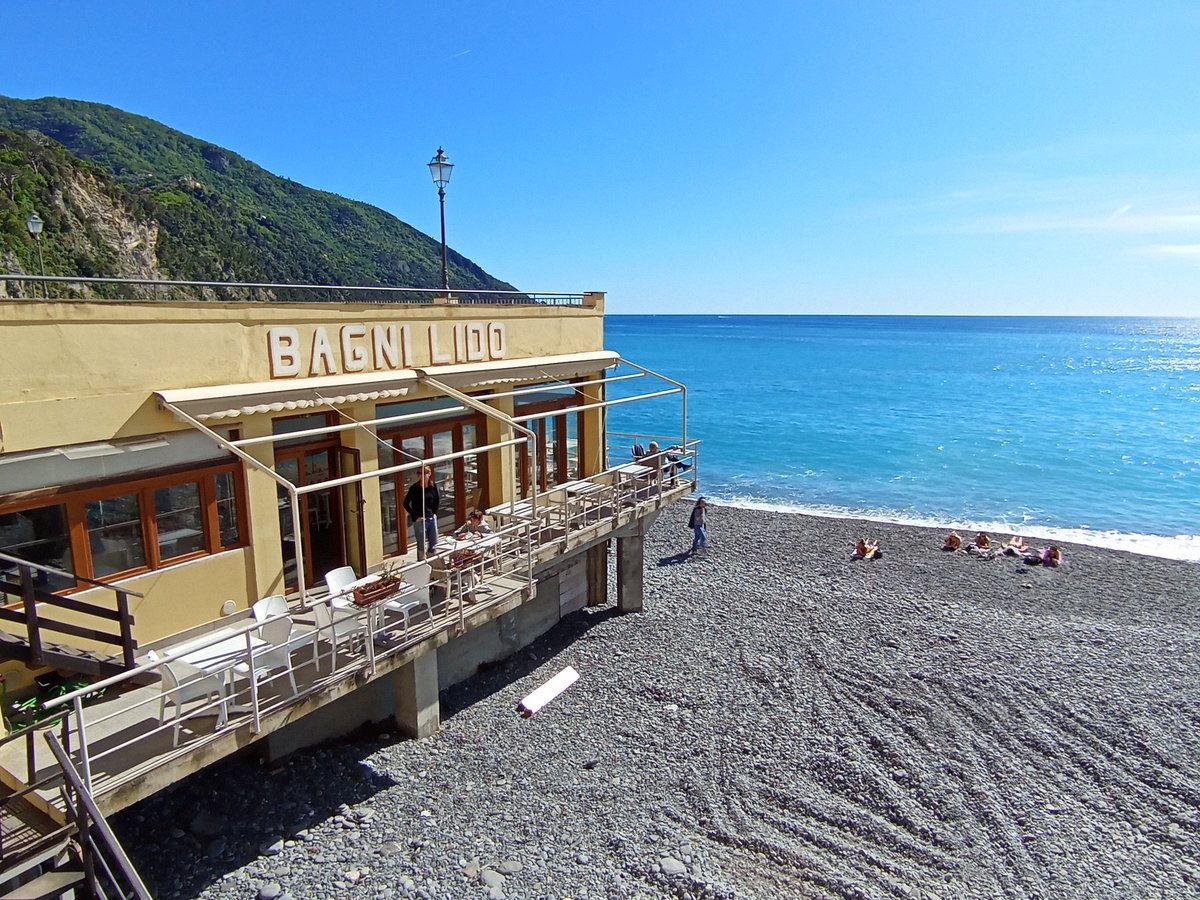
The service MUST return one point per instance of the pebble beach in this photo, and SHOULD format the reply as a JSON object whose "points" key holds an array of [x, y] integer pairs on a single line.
{"points": [[781, 721]]}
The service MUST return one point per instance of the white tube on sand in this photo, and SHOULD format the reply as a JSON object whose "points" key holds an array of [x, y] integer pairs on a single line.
{"points": [[535, 700]]}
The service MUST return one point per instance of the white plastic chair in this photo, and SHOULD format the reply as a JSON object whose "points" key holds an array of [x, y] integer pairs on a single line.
{"points": [[418, 577], [277, 633], [182, 682], [272, 608], [269, 607], [336, 629], [339, 579]]}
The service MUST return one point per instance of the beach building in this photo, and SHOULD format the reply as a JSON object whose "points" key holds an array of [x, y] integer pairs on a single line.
{"points": [[204, 543]]}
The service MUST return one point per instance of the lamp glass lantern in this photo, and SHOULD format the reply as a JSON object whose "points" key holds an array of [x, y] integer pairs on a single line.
{"points": [[34, 225], [440, 168]]}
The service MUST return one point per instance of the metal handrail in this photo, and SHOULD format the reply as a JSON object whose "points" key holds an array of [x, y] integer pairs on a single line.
{"points": [[96, 839], [540, 298]]}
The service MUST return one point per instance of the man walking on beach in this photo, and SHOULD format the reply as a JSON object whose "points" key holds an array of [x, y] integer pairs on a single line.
{"points": [[698, 522]]}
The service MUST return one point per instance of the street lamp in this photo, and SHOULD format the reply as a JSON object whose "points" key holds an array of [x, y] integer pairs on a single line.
{"points": [[439, 168], [34, 226]]}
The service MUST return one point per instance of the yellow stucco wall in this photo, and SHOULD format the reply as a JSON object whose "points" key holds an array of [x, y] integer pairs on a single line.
{"points": [[77, 372]]}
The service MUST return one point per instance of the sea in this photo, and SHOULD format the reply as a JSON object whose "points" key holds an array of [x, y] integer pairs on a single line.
{"points": [[1075, 429]]}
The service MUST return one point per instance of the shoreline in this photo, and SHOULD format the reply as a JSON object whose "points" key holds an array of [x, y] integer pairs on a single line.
{"points": [[1178, 548]]}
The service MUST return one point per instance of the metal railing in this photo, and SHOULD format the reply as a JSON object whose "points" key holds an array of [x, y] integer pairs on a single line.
{"points": [[106, 868], [62, 287], [35, 621], [584, 510]]}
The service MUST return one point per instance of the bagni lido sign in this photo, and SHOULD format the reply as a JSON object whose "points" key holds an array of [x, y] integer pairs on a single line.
{"points": [[379, 348]]}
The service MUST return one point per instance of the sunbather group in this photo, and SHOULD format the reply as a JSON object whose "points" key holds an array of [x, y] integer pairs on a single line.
{"points": [[985, 548]]}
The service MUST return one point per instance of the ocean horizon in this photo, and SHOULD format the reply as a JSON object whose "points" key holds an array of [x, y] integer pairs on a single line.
{"points": [[1074, 429]]}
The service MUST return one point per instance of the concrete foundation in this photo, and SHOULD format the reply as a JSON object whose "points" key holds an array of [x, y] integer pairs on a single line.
{"points": [[631, 563], [461, 658], [597, 575], [371, 702], [417, 711]]}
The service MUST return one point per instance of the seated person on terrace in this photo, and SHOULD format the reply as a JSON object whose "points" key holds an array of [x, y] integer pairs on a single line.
{"points": [[473, 527]]}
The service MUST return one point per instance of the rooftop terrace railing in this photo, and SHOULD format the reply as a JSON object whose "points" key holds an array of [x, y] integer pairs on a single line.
{"points": [[20, 286]]}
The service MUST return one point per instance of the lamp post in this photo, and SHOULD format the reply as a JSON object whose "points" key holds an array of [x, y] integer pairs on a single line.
{"points": [[34, 225], [439, 168]]}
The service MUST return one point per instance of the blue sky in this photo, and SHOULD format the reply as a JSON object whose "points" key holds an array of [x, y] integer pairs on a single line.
{"points": [[811, 156]]}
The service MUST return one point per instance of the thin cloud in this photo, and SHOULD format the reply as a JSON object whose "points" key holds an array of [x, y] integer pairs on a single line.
{"points": [[458, 54], [1163, 222], [1171, 251]]}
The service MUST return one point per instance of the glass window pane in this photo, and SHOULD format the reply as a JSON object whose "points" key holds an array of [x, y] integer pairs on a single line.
{"points": [[573, 468], [115, 535], [388, 504], [443, 474], [227, 511], [289, 468], [471, 469], [178, 520], [291, 424], [40, 536]]}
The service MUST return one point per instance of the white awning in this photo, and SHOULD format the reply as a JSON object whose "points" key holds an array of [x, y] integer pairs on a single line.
{"points": [[231, 401], [228, 401], [535, 368]]}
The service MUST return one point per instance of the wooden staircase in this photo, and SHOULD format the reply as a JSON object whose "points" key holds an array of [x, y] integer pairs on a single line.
{"points": [[37, 630]]}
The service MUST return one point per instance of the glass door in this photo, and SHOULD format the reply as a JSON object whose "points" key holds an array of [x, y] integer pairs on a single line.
{"points": [[321, 514]]}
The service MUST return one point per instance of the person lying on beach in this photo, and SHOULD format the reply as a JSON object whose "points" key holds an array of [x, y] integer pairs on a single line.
{"points": [[865, 549], [1015, 546], [1050, 556], [953, 541], [982, 547]]}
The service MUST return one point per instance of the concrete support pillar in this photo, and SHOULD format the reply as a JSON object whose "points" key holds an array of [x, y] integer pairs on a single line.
{"points": [[418, 713], [597, 575], [631, 565]]}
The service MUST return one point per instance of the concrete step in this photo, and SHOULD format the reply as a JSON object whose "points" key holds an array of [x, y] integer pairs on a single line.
{"points": [[46, 886]]}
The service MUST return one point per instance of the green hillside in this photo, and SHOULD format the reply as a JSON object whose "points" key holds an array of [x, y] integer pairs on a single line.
{"points": [[219, 216]]}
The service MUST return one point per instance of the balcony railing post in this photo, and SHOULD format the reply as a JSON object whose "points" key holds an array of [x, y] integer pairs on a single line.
{"points": [[127, 654], [85, 763], [29, 598]]}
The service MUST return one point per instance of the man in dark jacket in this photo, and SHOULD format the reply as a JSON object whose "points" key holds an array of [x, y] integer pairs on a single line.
{"points": [[421, 503]]}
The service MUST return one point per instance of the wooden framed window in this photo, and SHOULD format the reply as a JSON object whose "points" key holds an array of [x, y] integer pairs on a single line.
{"points": [[127, 526]]}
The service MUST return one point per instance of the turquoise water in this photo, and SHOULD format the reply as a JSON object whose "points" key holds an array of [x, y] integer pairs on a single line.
{"points": [[1085, 429]]}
